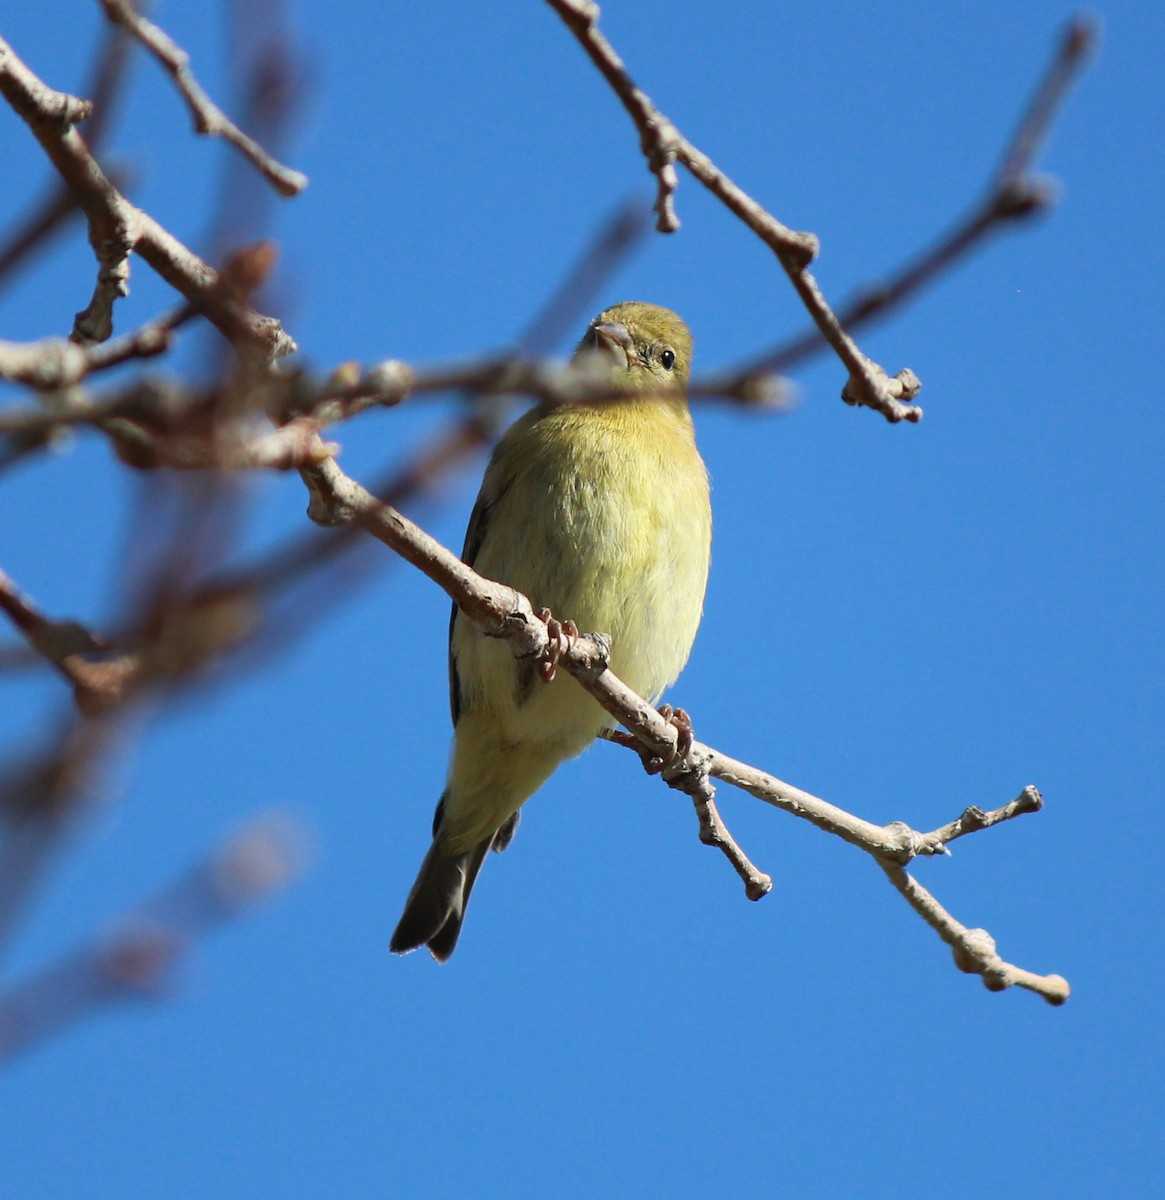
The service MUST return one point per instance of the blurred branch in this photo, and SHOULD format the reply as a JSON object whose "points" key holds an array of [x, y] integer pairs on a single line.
{"points": [[140, 958], [117, 228], [175, 642], [172, 635], [1077, 42], [663, 145], [40, 798], [152, 424], [208, 118], [63, 643], [173, 629], [685, 764], [159, 423]]}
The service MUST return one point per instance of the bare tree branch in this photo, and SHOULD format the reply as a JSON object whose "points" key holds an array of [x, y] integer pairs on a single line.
{"points": [[57, 204], [40, 797], [188, 616], [1014, 195], [139, 959], [117, 227], [974, 949], [63, 644], [208, 118], [687, 765], [663, 145], [713, 831]]}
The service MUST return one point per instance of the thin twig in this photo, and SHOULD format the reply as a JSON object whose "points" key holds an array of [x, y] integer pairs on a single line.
{"points": [[868, 384], [1014, 195], [713, 831], [974, 949], [117, 227], [972, 819], [1077, 42], [57, 203], [208, 118]]}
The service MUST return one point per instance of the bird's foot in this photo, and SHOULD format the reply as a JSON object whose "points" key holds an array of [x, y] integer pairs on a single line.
{"points": [[561, 635], [505, 835], [679, 719]]}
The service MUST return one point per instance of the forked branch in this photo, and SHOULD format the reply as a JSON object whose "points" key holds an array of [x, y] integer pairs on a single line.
{"points": [[501, 611]]}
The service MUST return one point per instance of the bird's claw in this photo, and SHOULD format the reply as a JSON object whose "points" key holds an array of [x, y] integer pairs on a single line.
{"points": [[685, 736], [560, 635]]}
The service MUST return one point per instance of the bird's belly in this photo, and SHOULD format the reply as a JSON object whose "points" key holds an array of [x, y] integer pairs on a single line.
{"points": [[633, 567], [597, 532]]}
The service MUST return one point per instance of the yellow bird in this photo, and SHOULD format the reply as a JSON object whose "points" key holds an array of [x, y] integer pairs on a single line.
{"points": [[598, 511]]}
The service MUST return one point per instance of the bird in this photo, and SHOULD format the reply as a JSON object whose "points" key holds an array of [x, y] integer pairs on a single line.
{"points": [[599, 511]]}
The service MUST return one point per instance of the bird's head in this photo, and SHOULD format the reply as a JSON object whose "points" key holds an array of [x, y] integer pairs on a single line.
{"points": [[647, 346]]}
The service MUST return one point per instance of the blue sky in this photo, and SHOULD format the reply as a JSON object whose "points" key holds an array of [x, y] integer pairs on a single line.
{"points": [[905, 620]]}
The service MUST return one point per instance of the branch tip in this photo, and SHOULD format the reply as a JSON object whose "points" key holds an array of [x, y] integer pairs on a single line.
{"points": [[1081, 36], [870, 387]]}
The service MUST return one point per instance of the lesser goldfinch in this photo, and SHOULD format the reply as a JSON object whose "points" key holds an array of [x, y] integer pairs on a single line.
{"points": [[598, 511]]}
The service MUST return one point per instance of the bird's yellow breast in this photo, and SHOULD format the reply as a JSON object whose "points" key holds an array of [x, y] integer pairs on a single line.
{"points": [[600, 513]]}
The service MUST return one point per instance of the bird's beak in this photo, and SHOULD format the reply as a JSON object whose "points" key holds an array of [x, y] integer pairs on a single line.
{"points": [[612, 340]]}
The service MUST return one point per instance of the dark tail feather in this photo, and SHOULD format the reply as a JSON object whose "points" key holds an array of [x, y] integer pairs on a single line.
{"points": [[443, 942], [436, 906]]}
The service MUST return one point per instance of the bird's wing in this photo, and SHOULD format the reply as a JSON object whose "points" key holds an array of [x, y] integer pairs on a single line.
{"points": [[475, 536]]}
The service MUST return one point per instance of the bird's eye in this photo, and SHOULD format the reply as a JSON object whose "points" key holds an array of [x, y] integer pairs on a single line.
{"points": [[668, 359]]}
